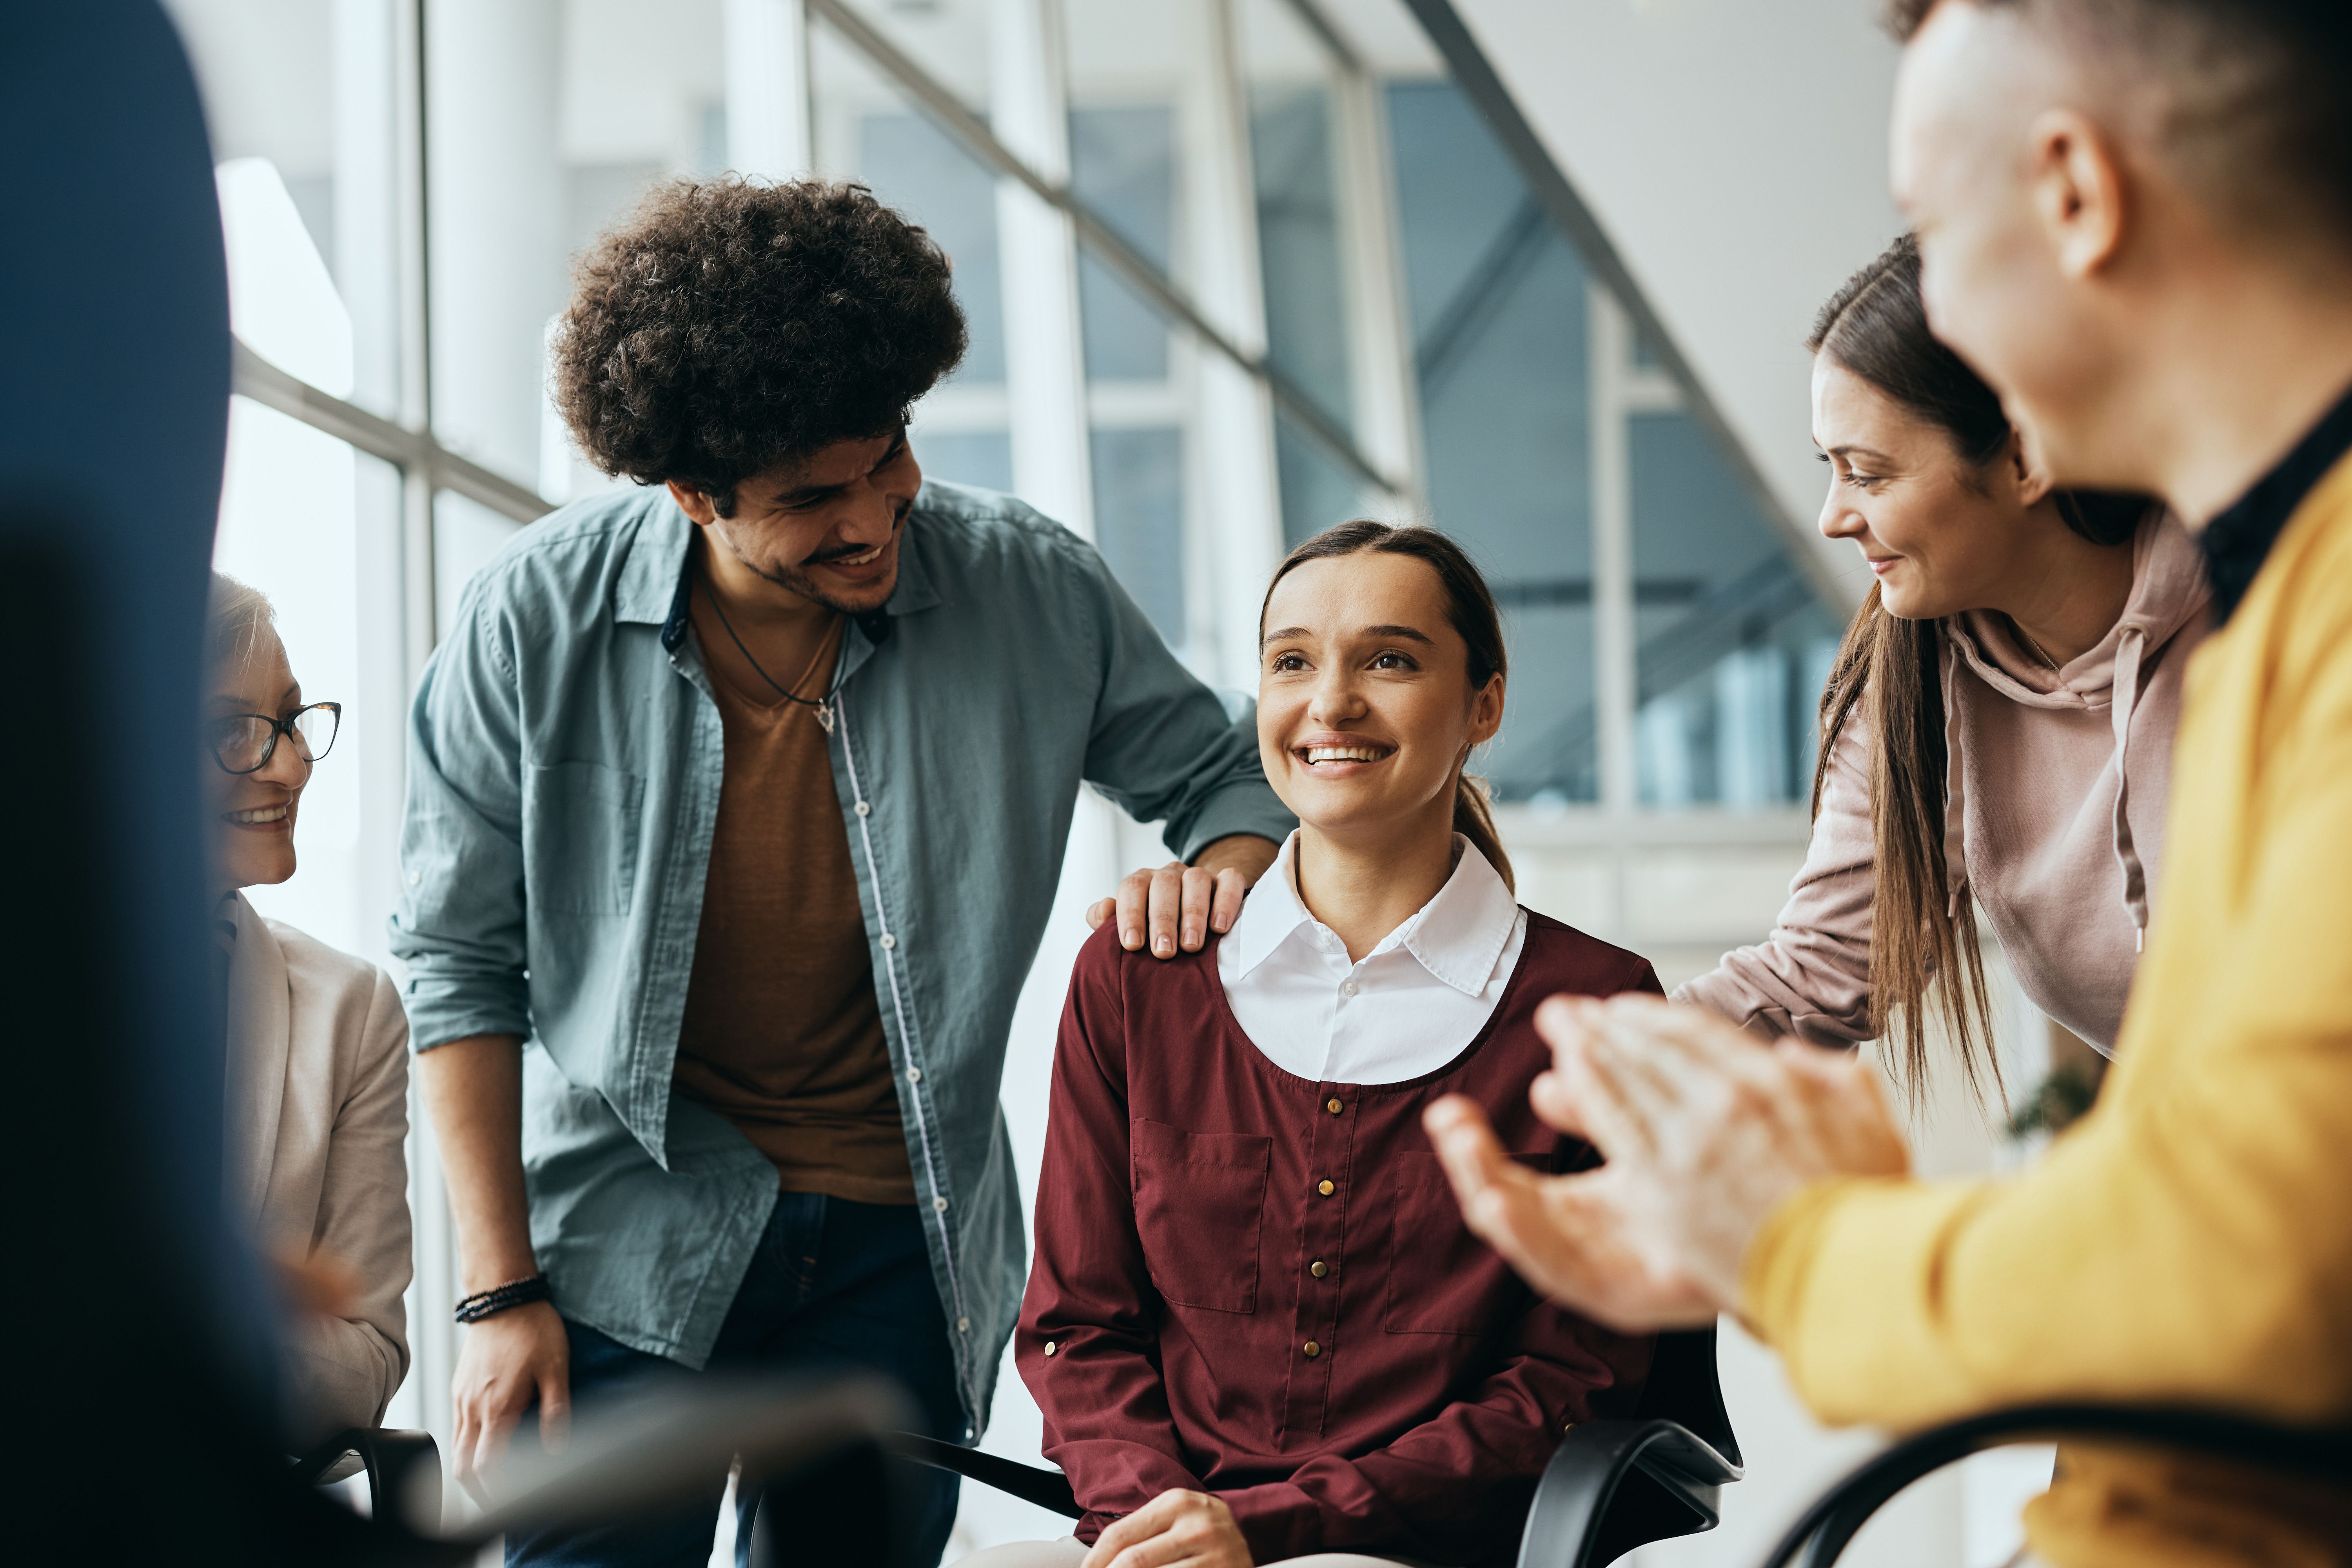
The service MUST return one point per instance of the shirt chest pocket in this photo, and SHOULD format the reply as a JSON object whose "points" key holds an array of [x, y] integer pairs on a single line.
{"points": [[580, 837], [1442, 1279], [1199, 1205]]}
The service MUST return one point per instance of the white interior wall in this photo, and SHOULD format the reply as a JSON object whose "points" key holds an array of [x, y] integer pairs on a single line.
{"points": [[1736, 154]]}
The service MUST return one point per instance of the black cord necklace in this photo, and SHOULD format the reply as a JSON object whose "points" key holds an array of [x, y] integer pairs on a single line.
{"points": [[823, 712]]}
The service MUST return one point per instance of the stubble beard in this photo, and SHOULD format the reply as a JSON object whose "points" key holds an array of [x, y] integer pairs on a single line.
{"points": [[795, 581]]}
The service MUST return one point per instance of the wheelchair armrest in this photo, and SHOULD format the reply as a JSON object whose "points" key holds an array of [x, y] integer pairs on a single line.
{"points": [[404, 1469], [1593, 1461], [1830, 1524], [1049, 1490]]}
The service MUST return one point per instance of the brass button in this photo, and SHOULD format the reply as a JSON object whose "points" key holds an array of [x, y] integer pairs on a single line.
{"points": [[1333, 1106], [1313, 1350], [1051, 1347], [1325, 1188], [1318, 1269]]}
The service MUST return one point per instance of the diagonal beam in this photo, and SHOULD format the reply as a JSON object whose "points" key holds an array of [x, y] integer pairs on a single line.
{"points": [[1482, 292], [1476, 77], [1098, 237]]}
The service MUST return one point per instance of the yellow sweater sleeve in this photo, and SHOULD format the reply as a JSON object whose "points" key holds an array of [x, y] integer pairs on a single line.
{"points": [[2189, 1239]]}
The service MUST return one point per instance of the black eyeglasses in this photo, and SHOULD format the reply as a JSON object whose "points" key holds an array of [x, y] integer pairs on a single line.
{"points": [[243, 743]]}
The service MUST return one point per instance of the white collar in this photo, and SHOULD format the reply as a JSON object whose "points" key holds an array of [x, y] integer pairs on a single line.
{"points": [[1458, 936]]}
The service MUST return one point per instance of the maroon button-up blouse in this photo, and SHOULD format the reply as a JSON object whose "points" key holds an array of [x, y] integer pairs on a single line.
{"points": [[1253, 1285]]}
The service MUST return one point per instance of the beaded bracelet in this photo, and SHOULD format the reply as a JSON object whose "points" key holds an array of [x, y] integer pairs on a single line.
{"points": [[514, 1293]]}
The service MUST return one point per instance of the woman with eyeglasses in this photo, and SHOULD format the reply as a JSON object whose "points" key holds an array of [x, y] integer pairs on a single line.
{"points": [[317, 1048]]}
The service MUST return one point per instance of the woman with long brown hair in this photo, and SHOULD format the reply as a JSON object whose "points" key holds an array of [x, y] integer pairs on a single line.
{"points": [[1997, 731]]}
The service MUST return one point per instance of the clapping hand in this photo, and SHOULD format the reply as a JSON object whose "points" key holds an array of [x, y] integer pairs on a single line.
{"points": [[1705, 1132]]}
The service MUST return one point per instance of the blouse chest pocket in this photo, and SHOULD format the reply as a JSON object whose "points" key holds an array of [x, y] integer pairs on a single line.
{"points": [[1442, 1279], [1199, 1205]]}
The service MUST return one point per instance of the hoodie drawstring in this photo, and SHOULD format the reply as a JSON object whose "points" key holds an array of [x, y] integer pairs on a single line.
{"points": [[2126, 698]]}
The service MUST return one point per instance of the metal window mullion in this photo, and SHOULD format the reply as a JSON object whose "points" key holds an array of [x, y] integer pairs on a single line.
{"points": [[419, 582], [418, 454], [1045, 369], [1327, 33], [1235, 460], [437, 1278], [1609, 341], [1386, 383], [770, 131]]}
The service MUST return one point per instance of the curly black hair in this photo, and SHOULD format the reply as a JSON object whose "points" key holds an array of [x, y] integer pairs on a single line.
{"points": [[729, 325]]}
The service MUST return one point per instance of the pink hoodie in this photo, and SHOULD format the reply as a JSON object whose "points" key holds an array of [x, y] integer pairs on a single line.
{"points": [[2055, 819]]}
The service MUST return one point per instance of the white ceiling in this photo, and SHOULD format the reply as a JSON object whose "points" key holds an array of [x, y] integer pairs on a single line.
{"points": [[1736, 154]]}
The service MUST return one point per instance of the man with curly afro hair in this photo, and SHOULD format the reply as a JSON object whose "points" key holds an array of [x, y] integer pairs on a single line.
{"points": [[741, 796]]}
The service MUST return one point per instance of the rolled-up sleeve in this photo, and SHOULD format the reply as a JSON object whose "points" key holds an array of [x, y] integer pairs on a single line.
{"points": [[460, 926], [1164, 747]]}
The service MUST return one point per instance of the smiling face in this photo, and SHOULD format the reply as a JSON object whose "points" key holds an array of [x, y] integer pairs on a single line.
{"points": [[827, 527], [1940, 534], [1365, 713], [253, 814]]}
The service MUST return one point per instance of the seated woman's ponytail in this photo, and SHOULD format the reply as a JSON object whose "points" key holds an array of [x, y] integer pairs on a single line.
{"points": [[1474, 820], [1469, 608]]}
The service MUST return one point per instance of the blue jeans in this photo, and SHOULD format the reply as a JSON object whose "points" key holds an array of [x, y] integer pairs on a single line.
{"points": [[834, 1286]]}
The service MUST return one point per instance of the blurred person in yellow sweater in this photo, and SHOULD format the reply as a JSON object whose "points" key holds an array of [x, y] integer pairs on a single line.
{"points": [[2136, 222]]}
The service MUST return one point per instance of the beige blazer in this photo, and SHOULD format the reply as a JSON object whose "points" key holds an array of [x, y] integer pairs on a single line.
{"points": [[317, 1118]]}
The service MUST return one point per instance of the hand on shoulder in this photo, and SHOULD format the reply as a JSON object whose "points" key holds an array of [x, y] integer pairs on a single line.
{"points": [[1175, 906]]}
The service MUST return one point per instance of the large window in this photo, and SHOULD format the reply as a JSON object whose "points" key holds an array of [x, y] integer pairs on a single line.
{"points": [[1503, 353], [1234, 269]]}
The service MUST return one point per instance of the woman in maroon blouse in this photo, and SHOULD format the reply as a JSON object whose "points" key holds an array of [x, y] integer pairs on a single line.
{"points": [[1255, 1324]]}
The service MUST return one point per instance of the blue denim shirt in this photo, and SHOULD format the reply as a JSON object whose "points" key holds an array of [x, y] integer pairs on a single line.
{"points": [[564, 785]]}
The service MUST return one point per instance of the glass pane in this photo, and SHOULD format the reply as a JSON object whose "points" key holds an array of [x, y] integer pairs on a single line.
{"points": [[1123, 166], [1498, 305], [1316, 491], [922, 172], [465, 534], [1140, 519], [980, 457], [867, 130], [298, 100], [1732, 643], [544, 125]]}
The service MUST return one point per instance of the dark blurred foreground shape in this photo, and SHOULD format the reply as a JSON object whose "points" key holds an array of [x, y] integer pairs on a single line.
{"points": [[140, 1380], [130, 1308]]}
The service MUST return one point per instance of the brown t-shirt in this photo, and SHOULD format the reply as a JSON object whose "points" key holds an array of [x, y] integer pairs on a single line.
{"points": [[782, 1035]]}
